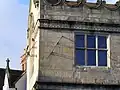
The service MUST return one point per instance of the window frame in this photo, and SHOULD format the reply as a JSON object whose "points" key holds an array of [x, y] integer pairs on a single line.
{"points": [[96, 48]]}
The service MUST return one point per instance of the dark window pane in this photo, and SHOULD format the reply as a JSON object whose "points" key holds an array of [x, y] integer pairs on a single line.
{"points": [[79, 41], [102, 42], [91, 57], [80, 57], [102, 58], [52, 1], [91, 41]]}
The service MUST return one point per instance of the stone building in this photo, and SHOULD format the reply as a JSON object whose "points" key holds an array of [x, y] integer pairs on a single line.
{"points": [[9, 78], [73, 45]]}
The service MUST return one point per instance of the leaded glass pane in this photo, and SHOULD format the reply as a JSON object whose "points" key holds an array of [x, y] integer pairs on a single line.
{"points": [[91, 41], [91, 57], [102, 58], [80, 57], [80, 41], [102, 42]]}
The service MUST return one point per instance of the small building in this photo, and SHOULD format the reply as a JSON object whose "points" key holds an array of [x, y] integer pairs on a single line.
{"points": [[12, 79]]}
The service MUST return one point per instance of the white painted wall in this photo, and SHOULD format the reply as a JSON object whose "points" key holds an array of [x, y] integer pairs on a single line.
{"points": [[31, 79], [34, 77], [6, 84]]}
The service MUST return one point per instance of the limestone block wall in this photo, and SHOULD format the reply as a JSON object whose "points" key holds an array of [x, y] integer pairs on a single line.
{"points": [[57, 63], [57, 59], [85, 12]]}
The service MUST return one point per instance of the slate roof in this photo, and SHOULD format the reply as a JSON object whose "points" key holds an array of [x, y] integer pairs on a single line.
{"points": [[14, 74]]}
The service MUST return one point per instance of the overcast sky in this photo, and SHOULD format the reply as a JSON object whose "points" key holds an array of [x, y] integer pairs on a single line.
{"points": [[13, 27]]}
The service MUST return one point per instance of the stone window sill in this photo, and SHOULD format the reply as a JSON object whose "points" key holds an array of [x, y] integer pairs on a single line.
{"points": [[93, 68]]}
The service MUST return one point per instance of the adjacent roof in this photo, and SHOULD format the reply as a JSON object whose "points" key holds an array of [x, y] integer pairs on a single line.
{"points": [[14, 74]]}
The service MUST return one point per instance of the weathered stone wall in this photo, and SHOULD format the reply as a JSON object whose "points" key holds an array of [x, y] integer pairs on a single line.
{"points": [[80, 13], [58, 64], [58, 86], [57, 45]]}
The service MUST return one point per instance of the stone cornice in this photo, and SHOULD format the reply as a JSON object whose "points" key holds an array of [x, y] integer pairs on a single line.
{"points": [[79, 26], [98, 4], [57, 85]]}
